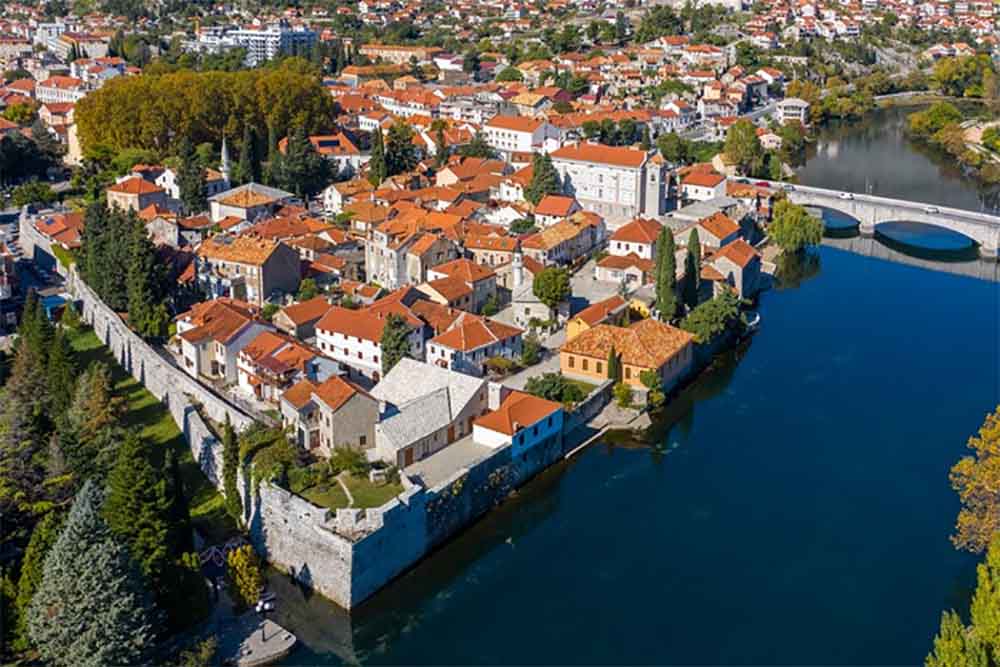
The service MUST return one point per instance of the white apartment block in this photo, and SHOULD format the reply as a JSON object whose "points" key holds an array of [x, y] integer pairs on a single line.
{"points": [[519, 134], [266, 43]]}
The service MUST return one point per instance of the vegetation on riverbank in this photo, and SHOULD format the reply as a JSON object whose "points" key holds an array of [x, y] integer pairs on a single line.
{"points": [[943, 125]]}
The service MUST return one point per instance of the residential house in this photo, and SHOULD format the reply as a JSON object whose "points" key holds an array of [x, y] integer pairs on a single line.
{"points": [[272, 362], [717, 230], [426, 409], [739, 265], [702, 185], [646, 345], [481, 281], [212, 334], [553, 208], [248, 202], [608, 311], [471, 342], [638, 238], [325, 416], [520, 134], [299, 319], [247, 267], [522, 422], [135, 193], [792, 109]]}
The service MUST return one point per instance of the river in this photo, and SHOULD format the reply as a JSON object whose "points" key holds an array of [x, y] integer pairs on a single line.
{"points": [[791, 507]]}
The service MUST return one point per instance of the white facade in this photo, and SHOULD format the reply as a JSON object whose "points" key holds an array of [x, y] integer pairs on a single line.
{"points": [[361, 355], [263, 44]]}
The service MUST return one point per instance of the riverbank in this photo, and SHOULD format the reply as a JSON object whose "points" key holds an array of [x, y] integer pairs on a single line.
{"points": [[635, 537]]}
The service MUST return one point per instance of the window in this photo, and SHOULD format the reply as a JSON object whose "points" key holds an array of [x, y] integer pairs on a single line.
{"points": [[548, 422], [571, 361], [600, 368], [628, 373], [585, 364], [362, 440]]}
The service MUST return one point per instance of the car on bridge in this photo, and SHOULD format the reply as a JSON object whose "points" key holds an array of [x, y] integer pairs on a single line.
{"points": [[931, 209], [846, 195]]}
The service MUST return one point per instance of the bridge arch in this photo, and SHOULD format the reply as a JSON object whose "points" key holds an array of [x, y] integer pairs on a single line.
{"points": [[871, 211]]}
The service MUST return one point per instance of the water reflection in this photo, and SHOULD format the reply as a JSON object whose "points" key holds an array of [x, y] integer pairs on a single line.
{"points": [[874, 155], [796, 268]]}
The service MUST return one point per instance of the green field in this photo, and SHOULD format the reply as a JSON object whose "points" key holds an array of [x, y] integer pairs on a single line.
{"points": [[145, 412]]}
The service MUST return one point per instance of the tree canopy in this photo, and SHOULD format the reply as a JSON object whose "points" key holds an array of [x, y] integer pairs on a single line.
{"points": [[551, 285], [155, 111], [544, 179], [792, 228], [395, 341]]}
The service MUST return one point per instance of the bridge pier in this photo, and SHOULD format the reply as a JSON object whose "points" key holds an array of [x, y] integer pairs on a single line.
{"points": [[866, 229], [987, 253]]}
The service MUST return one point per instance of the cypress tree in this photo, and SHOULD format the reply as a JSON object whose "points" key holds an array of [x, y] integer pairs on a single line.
{"points": [[303, 170], [248, 167], [144, 284], [441, 147], [376, 166], [614, 365], [230, 466], [400, 153], [692, 270], [42, 538], [181, 539], [666, 276], [137, 507], [92, 607], [395, 341], [544, 179], [273, 170], [61, 374], [191, 179]]}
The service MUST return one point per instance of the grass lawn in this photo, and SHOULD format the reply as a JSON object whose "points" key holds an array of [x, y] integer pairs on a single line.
{"points": [[157, 426], [365, 494], [330, 496]]}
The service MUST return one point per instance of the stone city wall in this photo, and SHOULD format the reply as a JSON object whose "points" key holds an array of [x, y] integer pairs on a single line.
{"points": [[349, 555]]}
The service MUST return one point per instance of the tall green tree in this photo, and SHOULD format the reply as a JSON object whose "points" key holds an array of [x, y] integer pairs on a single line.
{"points": [[191, 179], [42, 538], [61, 373], [544, 179], [614, 365], [692, 270], [302, 169], [666, 276], [145, 283], [395, 341], [956, 646], [248, 166], [137, 507], [743, 147], [92, 607], [377, 171], [478, 147], [976, 478], [230, 467], [400, 152], [440, 147]]}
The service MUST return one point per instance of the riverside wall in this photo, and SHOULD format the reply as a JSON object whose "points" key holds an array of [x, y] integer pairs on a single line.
{"points": [[345, 555]]}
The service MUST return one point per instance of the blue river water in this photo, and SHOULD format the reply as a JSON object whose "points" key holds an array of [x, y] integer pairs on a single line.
{"points": [[791, 507]]}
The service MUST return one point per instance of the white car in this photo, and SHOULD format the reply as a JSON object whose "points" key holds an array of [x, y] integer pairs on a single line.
{"points": [[846, 195], [931, 209]]}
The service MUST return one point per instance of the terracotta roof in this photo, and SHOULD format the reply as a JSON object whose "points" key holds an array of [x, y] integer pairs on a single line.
{"points": [[336, 391], [646, 344], [307, 311], [519, 410], [598, 312], [704, 179], [555, 205], [719, 225], [239, 249], [135, 185], [464, 269], [450, 287], [472, 333], [219, 319], [618, 156], [497, 243], [739, 252], [300, 393], [516, 123], [640, 230], [360, 323]]}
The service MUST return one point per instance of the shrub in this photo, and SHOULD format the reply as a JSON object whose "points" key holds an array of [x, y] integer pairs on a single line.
{"points": [[353, 461], [246, 580], [500, 365], [623, 395]]}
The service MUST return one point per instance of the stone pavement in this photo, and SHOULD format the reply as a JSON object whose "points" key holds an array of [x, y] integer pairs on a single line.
{"points": [[441, 465], [241, 642]]}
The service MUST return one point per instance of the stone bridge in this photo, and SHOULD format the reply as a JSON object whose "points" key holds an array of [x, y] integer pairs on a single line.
{"points": [[871, 211]]}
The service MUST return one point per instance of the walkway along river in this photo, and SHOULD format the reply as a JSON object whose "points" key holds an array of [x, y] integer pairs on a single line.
{"points": [[791, 507]]}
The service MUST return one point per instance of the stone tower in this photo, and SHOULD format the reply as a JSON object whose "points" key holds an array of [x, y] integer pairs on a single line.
{"points": [[517, 266], [224, 167]]}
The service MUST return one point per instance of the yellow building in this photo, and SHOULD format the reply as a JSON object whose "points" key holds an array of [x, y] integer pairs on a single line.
{"points": [[609, 310], [647, 345]]}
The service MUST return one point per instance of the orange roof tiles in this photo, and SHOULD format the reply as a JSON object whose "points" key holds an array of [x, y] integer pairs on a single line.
{"points": [[307, 311], [135, 185], [646, 344], [640, 230], [719, 225], [598, 312], [519, 410], [614, 155], [336, 391], [555, 205], [464, 269], [739, 252], [237, 249]]}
